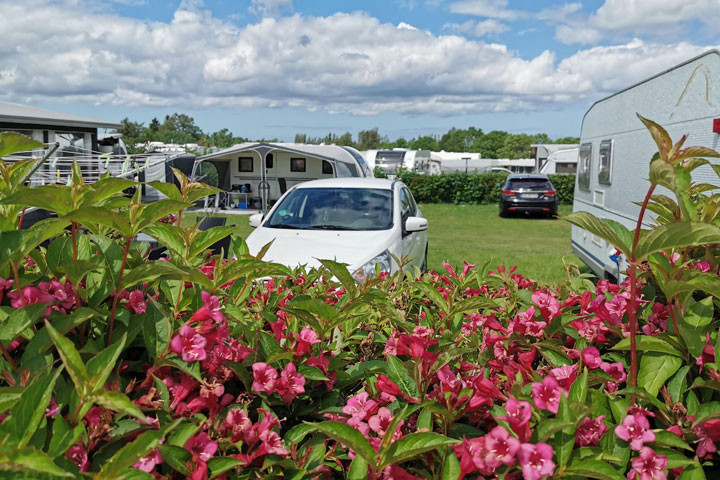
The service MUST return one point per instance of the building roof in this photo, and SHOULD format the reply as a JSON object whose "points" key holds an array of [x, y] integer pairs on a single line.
{"points": [[16, 113]]}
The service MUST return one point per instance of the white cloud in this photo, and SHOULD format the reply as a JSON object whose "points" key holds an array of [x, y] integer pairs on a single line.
{"points": [[341, 63], [627, 18], [478, 29], [270, 8], [486, 8]]}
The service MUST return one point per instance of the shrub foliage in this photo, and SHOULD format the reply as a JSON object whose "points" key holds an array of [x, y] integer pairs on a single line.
{"points": [[117, 366], [472, 188]]}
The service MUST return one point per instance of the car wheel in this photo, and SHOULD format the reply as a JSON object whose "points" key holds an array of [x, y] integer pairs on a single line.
{"points": [[503, 213]]}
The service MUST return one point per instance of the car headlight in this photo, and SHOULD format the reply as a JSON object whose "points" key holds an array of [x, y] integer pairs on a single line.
{"points": [[371, 268]]}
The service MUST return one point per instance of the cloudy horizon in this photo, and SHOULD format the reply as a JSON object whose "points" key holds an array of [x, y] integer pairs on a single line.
{"points": [[271, 68]]}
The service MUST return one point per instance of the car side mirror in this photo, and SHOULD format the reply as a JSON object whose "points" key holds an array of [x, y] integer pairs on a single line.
{"points": [[416, 224], [255, 220]]}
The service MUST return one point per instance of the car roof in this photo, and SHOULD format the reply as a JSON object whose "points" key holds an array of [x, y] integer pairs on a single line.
{"points": [[349, 182], [534, 176]]}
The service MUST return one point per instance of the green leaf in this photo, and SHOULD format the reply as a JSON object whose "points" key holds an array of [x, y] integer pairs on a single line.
{"points": [[117, 402], [451, 467], [298, 433], [205, 239], [13, 142], [693, 152], [693, 472], [695, 323], [30, 460], [677, 384], [578, 390], [413, 445], [669, 439], [134, 451], [547, 428], [101, 365], [168, 235], [564, 440], [358, 469], [472, 304], [589, 468], [655, 369], [341, 272], [176, 457], [649, 344], [611, 231], [156, 329], [70, 358], [398, 373], [676, 235], [660, 135], [351, 438], [220, 465], [312, 373], [707, 411], [29, 411], [20, 319], [663, 174], [63, 437]]}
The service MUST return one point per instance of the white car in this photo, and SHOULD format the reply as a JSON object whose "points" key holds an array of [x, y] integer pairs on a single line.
{"points": [[356, 221]]}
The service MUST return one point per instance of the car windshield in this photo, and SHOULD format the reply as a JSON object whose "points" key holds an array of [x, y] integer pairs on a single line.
{"points": [[529, 184], [334, 209]]}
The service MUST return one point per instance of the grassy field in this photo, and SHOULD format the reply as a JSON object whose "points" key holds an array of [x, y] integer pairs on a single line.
{"points": [[476, 233]]}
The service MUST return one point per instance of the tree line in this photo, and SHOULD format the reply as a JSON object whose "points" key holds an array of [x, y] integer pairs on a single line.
{"points": [[181, 129]]}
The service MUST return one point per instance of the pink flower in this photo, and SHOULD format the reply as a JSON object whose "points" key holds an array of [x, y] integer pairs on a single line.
{"points": [[708, 433], [52, 408], [189, 344], [78, 455], [636, 430], [264, 378], [305, 340], [237, 422], [546, 395], [536, 460], [359, 407], [291, 383], [500, 448], [272, 443], [466, 268], [519, 415], [702, 266], [565, 375], [211, 310], [648, 466], [379, 423], [30, 296], [549, 305], [137, 301], [147, 464], [589, 432], [591, 357], [615, 370], [385, 385], [201, 446]]}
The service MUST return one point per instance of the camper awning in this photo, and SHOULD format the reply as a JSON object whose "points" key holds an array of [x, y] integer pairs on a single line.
{"points": [[331, 153]]}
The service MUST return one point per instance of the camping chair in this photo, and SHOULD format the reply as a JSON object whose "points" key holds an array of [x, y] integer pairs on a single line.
{"points": [[222, 245]]}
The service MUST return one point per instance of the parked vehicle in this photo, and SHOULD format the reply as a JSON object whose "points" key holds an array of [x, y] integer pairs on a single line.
{"points": [[528, 194], [259, 173], [356, 221], [615, 149]]}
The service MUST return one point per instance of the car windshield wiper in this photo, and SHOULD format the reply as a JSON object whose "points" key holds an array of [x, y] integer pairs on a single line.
{"points": [[287, 226], [330, 227]]}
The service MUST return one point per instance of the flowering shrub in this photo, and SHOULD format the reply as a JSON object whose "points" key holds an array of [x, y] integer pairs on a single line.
{"points": [[194, 366]]}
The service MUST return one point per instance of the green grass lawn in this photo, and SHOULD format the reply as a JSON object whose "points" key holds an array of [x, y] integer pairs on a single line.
{"points": [[476, 233]]}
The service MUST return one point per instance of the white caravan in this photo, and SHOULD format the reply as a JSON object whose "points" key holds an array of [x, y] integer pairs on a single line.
{"points": [[390, 161], [615, 148], [256, 174], [561, 161]]}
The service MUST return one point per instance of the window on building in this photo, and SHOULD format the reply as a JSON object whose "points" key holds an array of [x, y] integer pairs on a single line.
{"points": [[327, 167], [584, 166], [71, 143], [297, 164], [245, 164], [605, 162], [269, 160]]}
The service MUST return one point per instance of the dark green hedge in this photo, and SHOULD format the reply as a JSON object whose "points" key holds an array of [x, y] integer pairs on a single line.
{"points": [[472, 188]]}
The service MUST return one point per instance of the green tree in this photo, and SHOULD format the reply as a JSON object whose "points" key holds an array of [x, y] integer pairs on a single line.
{"points": [[300, 138], [426, 142], [516, 146], [490, 144], [369, 139], [568, 140]]}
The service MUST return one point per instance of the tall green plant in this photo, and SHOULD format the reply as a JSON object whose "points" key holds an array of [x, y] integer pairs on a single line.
{"points": [[688, 221]]}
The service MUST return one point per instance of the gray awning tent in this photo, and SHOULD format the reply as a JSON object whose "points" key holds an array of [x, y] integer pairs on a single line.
{"points": [[344, 162]]}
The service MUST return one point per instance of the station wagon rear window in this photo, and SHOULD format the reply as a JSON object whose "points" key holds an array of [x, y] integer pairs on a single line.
{"points": [[529, 184], [584, 166]]}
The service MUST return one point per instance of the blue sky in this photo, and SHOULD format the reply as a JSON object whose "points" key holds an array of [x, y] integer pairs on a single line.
{"points": [[272, 68]]}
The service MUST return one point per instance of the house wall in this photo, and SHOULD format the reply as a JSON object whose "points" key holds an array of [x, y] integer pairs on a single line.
{"points": [[684, 101]]}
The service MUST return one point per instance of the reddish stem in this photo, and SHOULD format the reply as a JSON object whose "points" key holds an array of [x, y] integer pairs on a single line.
{"points": [[7, 356], [632, 273], [74, 240], [22, 216], [116, 293]]}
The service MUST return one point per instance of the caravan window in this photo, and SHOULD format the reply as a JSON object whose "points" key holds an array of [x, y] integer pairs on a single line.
{"points": [[245, 164], [584, 166], [269, 160], [327, 167], [605, 162], [297, 164]]}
